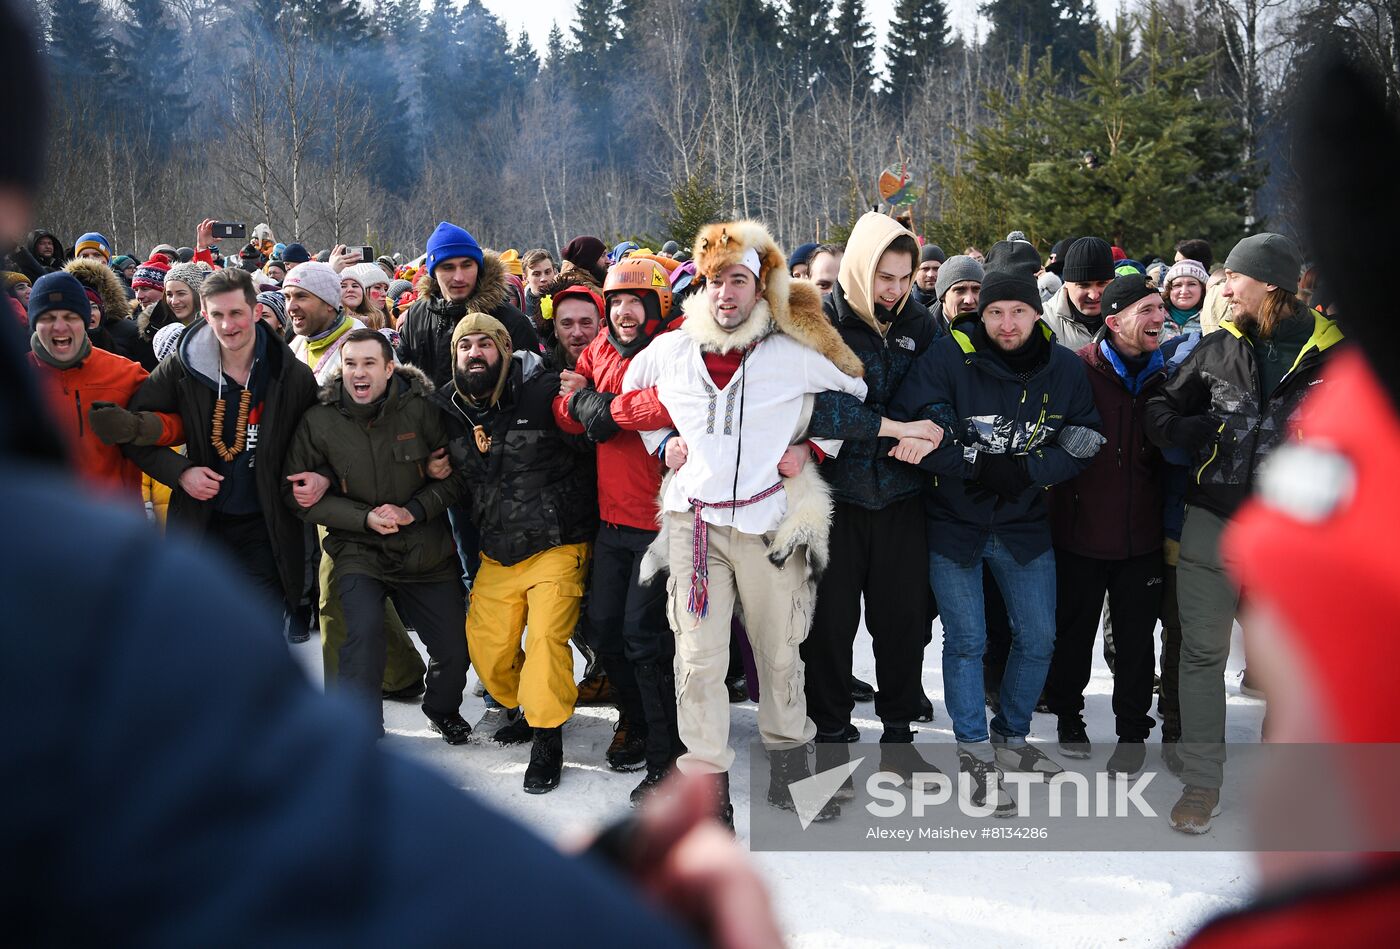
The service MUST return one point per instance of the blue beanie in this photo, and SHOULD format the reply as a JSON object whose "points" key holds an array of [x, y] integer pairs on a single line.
{"points": [[450, 241], [59, 290]]}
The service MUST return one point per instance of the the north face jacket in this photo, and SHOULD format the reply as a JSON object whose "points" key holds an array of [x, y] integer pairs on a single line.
{"points": [[1049, 420], [533, 488], [863, 473], [1221, 379], [374, 460]]}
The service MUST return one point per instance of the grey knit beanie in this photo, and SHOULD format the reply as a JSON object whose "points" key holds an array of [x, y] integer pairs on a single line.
{"points": [[956, 269], [191, 275], [1268, 258]]}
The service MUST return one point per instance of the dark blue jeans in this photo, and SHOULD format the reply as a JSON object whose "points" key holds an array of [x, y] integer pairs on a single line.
{"points": [[1029, 591]]}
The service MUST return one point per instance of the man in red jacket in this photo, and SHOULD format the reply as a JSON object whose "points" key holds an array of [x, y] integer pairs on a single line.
{"points": [[1107, 529], [631, 634]]}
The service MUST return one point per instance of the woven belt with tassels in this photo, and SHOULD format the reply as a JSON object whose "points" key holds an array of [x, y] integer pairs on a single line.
{"points": [[699, 602]]}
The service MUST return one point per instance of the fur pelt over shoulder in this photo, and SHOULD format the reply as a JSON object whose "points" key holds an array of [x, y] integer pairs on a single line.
{"points": [[794, 307]]}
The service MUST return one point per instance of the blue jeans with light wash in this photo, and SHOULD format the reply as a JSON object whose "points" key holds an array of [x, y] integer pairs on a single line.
{"points": [[1029, 591]]}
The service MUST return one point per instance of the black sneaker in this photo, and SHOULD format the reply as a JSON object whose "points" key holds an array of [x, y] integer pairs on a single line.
{"points": [[833, 754], [1042, 704], [862, 691], [453, 727], [515, 730], [546, 761], [985, 786], [925, 709], [1127, 759], [1024, 757], [850, 734], [407, 694], [991, 694], [650, 783], [1074, 739], [628, 750]]}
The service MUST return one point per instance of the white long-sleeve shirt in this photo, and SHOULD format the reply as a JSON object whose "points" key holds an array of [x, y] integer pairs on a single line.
{"points": [[748, 423]]}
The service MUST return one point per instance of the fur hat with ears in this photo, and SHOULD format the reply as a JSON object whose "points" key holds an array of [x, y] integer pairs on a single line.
{"points": [[795, 305]]}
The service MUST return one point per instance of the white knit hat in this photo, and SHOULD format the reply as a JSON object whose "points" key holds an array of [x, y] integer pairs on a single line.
{"points": [[317, 279], [366, 275]]}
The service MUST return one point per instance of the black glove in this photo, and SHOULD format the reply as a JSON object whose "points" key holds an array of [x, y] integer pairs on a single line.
{"points": [[1004, 476], [116, 426], [1193, 432], [593, 410]]}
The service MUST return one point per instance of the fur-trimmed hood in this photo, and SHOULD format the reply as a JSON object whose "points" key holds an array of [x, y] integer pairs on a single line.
{"points": [[103, 280], [491, 287], [416, 379], [802, 319]]}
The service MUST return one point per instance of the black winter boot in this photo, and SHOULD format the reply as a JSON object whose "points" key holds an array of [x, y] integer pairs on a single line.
{"points": [[546, 761], [785, 768], [452, 727], [899, 756], [833, 753]]}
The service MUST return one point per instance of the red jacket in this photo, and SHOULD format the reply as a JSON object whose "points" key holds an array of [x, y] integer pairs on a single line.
{"points": [[1112, 510], [629, 477], [70, 393]]}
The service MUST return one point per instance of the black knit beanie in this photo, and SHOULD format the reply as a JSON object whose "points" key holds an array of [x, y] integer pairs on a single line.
{"points": [[1000, 285], [1089, 259]]}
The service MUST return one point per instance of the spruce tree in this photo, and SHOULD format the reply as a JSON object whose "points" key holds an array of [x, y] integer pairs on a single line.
{"points": [[524, 60], [80, 46], [149, 93], [851, 52], [917, 40], [806, 34]]}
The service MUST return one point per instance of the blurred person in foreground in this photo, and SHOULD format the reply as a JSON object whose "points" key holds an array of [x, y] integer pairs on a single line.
{"points": [[177, 807]]}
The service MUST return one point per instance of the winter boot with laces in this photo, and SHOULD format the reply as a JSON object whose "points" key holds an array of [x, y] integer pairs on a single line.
{"points": [[546, 761], [628, 750], [452, 727], [983, 785], [785, 768]]}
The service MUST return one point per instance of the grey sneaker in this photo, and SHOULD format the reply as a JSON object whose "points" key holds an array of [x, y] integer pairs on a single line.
{"points": [[1016, 754], [984, 786], [496, 718]]}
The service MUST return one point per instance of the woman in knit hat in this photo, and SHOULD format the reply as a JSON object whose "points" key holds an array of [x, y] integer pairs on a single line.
{"points": [[1185, 291], [362, 290], [182, 284]]}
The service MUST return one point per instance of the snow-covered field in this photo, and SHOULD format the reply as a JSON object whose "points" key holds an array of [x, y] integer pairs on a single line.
{"points": [[856, 900]]}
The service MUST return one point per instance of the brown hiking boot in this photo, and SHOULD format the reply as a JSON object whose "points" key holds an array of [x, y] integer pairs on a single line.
{"points": [[628, 751], [1193, 811], [596, 690]]}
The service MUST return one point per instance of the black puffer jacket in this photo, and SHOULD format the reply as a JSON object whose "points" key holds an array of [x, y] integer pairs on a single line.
{"points": [[425, 340], [1221, 379], [535, 488], [863, 473]]}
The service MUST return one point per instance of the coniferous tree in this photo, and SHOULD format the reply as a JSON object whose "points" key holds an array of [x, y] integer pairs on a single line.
{"points": [[524, 60], [806, 34], [851, 52], [151, 98], [80, 45], [917, 40], [554, 49]]}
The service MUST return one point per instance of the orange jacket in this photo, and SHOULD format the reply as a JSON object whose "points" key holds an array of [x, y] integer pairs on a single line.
{"points": [[70, 393]]}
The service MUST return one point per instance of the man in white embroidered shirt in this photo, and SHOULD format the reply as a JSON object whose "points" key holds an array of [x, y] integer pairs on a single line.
{"points": [[745, 519]]}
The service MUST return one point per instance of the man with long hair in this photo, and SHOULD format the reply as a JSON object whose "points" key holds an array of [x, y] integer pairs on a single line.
{"points": [[1229, 406]]}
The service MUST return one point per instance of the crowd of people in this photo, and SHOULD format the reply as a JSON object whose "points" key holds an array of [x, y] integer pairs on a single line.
{"points": [[1022, 447]]}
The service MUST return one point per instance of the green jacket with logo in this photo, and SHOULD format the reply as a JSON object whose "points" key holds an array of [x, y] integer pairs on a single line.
{"points": [[375, 459]]}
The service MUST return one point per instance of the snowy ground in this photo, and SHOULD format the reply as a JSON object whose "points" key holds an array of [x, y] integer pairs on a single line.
{"points": [[855, 900]]}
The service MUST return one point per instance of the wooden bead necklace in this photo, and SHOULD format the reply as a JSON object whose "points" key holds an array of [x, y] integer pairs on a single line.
{"points": [[240, 433]]}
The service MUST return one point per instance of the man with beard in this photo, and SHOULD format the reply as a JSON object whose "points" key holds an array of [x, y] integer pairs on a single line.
{"points": [[1018, 416], [1230, 406], [746, 519], [588, 254], [627, 617], [1075, 313], [375, 428], [313, 307], [532, 505]]}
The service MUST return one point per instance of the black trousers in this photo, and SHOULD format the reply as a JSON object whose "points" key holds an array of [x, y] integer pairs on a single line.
{"points": [[245, 538], [434, 611], [629, 632], [882, 556], [1134, 589]]}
